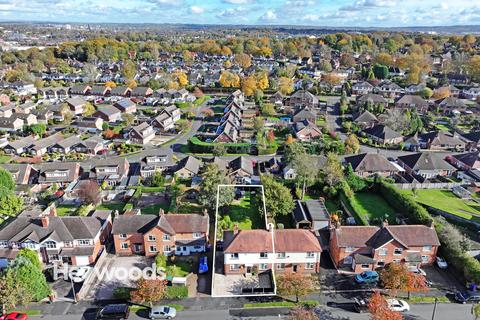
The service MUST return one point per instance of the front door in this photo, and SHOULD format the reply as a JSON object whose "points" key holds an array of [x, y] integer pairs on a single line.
{"points": [[294, 268], [249, 269]]}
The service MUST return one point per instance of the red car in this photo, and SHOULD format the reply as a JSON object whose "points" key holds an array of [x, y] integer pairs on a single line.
{"points": [[14, 316]]}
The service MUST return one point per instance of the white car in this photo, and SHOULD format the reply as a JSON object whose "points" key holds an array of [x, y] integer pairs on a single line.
{"points": [[418, 271], [162, 312], [442, 263], [79, 274], [398, 305]]}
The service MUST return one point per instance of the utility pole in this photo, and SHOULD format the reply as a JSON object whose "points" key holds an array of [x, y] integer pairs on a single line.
{"points": [[434, 308]]}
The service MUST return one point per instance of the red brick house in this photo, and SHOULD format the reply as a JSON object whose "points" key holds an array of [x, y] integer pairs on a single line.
{"points": [[170, 234], [361, 248]]}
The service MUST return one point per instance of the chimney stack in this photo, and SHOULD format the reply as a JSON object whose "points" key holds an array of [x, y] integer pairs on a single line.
{"points": [[384, 223], [161, 212], [235, 229], [45, 221], [205, 212]]}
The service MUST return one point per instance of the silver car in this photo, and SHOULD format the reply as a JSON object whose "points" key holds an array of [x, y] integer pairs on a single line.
{"points": [[162, 312]]}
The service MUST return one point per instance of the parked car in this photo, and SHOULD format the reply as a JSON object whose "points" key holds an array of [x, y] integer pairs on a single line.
{"points": [[114, 311], [468, 297], [441, 263], [367, 277], [162, 312], [398, 305], [418, 271], [360, 305], [14, 316], [79, 274], [203, 265]]}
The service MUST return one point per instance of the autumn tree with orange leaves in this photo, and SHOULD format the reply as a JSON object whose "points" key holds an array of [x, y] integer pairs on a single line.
{"points": [[378, 307], [396, 277], [295, 284], [300, 313], [148, 291]]}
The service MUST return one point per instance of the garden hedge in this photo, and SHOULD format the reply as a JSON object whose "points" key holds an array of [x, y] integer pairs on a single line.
{"points": [[198, 146]]}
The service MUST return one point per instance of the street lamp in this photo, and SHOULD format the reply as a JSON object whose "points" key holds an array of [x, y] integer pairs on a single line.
{"points": [[73, 291]]}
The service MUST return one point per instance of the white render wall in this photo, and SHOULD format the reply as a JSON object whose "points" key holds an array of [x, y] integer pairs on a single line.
{"points": [[254, 258]]}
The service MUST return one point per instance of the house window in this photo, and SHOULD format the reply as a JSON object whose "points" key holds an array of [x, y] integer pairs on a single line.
{"points": [[425, 259], [365, 266], [29, 245], [263, 255], [153, 249], [280, 266], [396, 260], [234, 256], [3, 244], [53, 257], [349, 249], [152, 238], [68, 244], [167, 248], [397, 251], [310, 254], [263, 266], [234, 267], [427, 248], [197, 235], [281, 255], [166, 237], [348, 260], [381, 264], [84, 242], [382, 252], [309, 265], [124, 245], [50, 245]]}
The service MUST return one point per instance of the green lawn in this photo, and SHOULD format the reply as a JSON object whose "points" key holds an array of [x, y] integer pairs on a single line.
{"points": [[442, 127], [154, 209], [372, 206], [111, 206], [5, 159], [179, 268], [66, 209], [445, 200], [245, 214]]}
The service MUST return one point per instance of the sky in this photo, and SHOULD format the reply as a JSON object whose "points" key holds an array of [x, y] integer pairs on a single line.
{"points": [[334, 13]]}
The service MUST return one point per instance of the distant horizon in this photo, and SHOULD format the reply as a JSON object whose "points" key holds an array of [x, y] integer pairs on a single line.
{"points": [[313, 13]]}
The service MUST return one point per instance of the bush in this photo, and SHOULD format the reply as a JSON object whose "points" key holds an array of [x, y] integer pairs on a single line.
{"points": [[177, 292], [122, 293]]}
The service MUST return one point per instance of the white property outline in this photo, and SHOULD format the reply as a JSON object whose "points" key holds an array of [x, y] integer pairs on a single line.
{"points": [[272, 227]]}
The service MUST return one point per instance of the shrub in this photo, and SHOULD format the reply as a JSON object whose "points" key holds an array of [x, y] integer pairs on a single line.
{"points": [[122, 293]]}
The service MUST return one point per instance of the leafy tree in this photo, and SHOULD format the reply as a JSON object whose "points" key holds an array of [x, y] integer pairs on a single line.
{"points": [[149, 291], [396, 277], [89, 192], [10, 204], [6, 180], [476, 311], [378, 307], [249, 85], [352, 145], [426, 93], [211, 178], [129, 70], [128, 119], [285, 85], [88, 109], [278, 199], [32, 256], [473, 67], [258, 124], [268, 109], [26, 273], [332, 171], [157, 180], [219, 150], [223, 223], [243, 60], [380, 71], [295, 284], [229, 80], [38, 129]]}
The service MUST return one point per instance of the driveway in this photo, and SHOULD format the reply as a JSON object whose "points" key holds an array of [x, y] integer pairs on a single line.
{"points": [[115, 275]]}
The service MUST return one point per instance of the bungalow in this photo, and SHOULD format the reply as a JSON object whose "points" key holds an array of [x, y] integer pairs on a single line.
{"points": [[141, 92], [302, 99], [439, 140], [426, 164], [26, 107], [112, 171], [472, 94], [6, 111], [305, 114], [121, 91], [80, 90], [368, 164], [43, 115], [412, 102], [19, 146], [41, 147], [472, 140], [166, 119], [100, 91], [89, 124], [66, 145], [306, 130], [188, 167], [390, 89], [241, 170], [160, 161], [142, 133], [365, 119], [11, 124], [77, 105], [62, 173], [465, 161], [449, 105], [372, 99], [383, 135], [369, 247], [22, 173], [108, 113], [91, 146], [167, 234], [28, 118], [361, 88], [126, 105]]}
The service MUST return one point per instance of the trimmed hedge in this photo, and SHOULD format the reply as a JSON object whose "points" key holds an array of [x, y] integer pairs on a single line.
{"points": [[197, 146], [404, 203], [467, 265]]}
